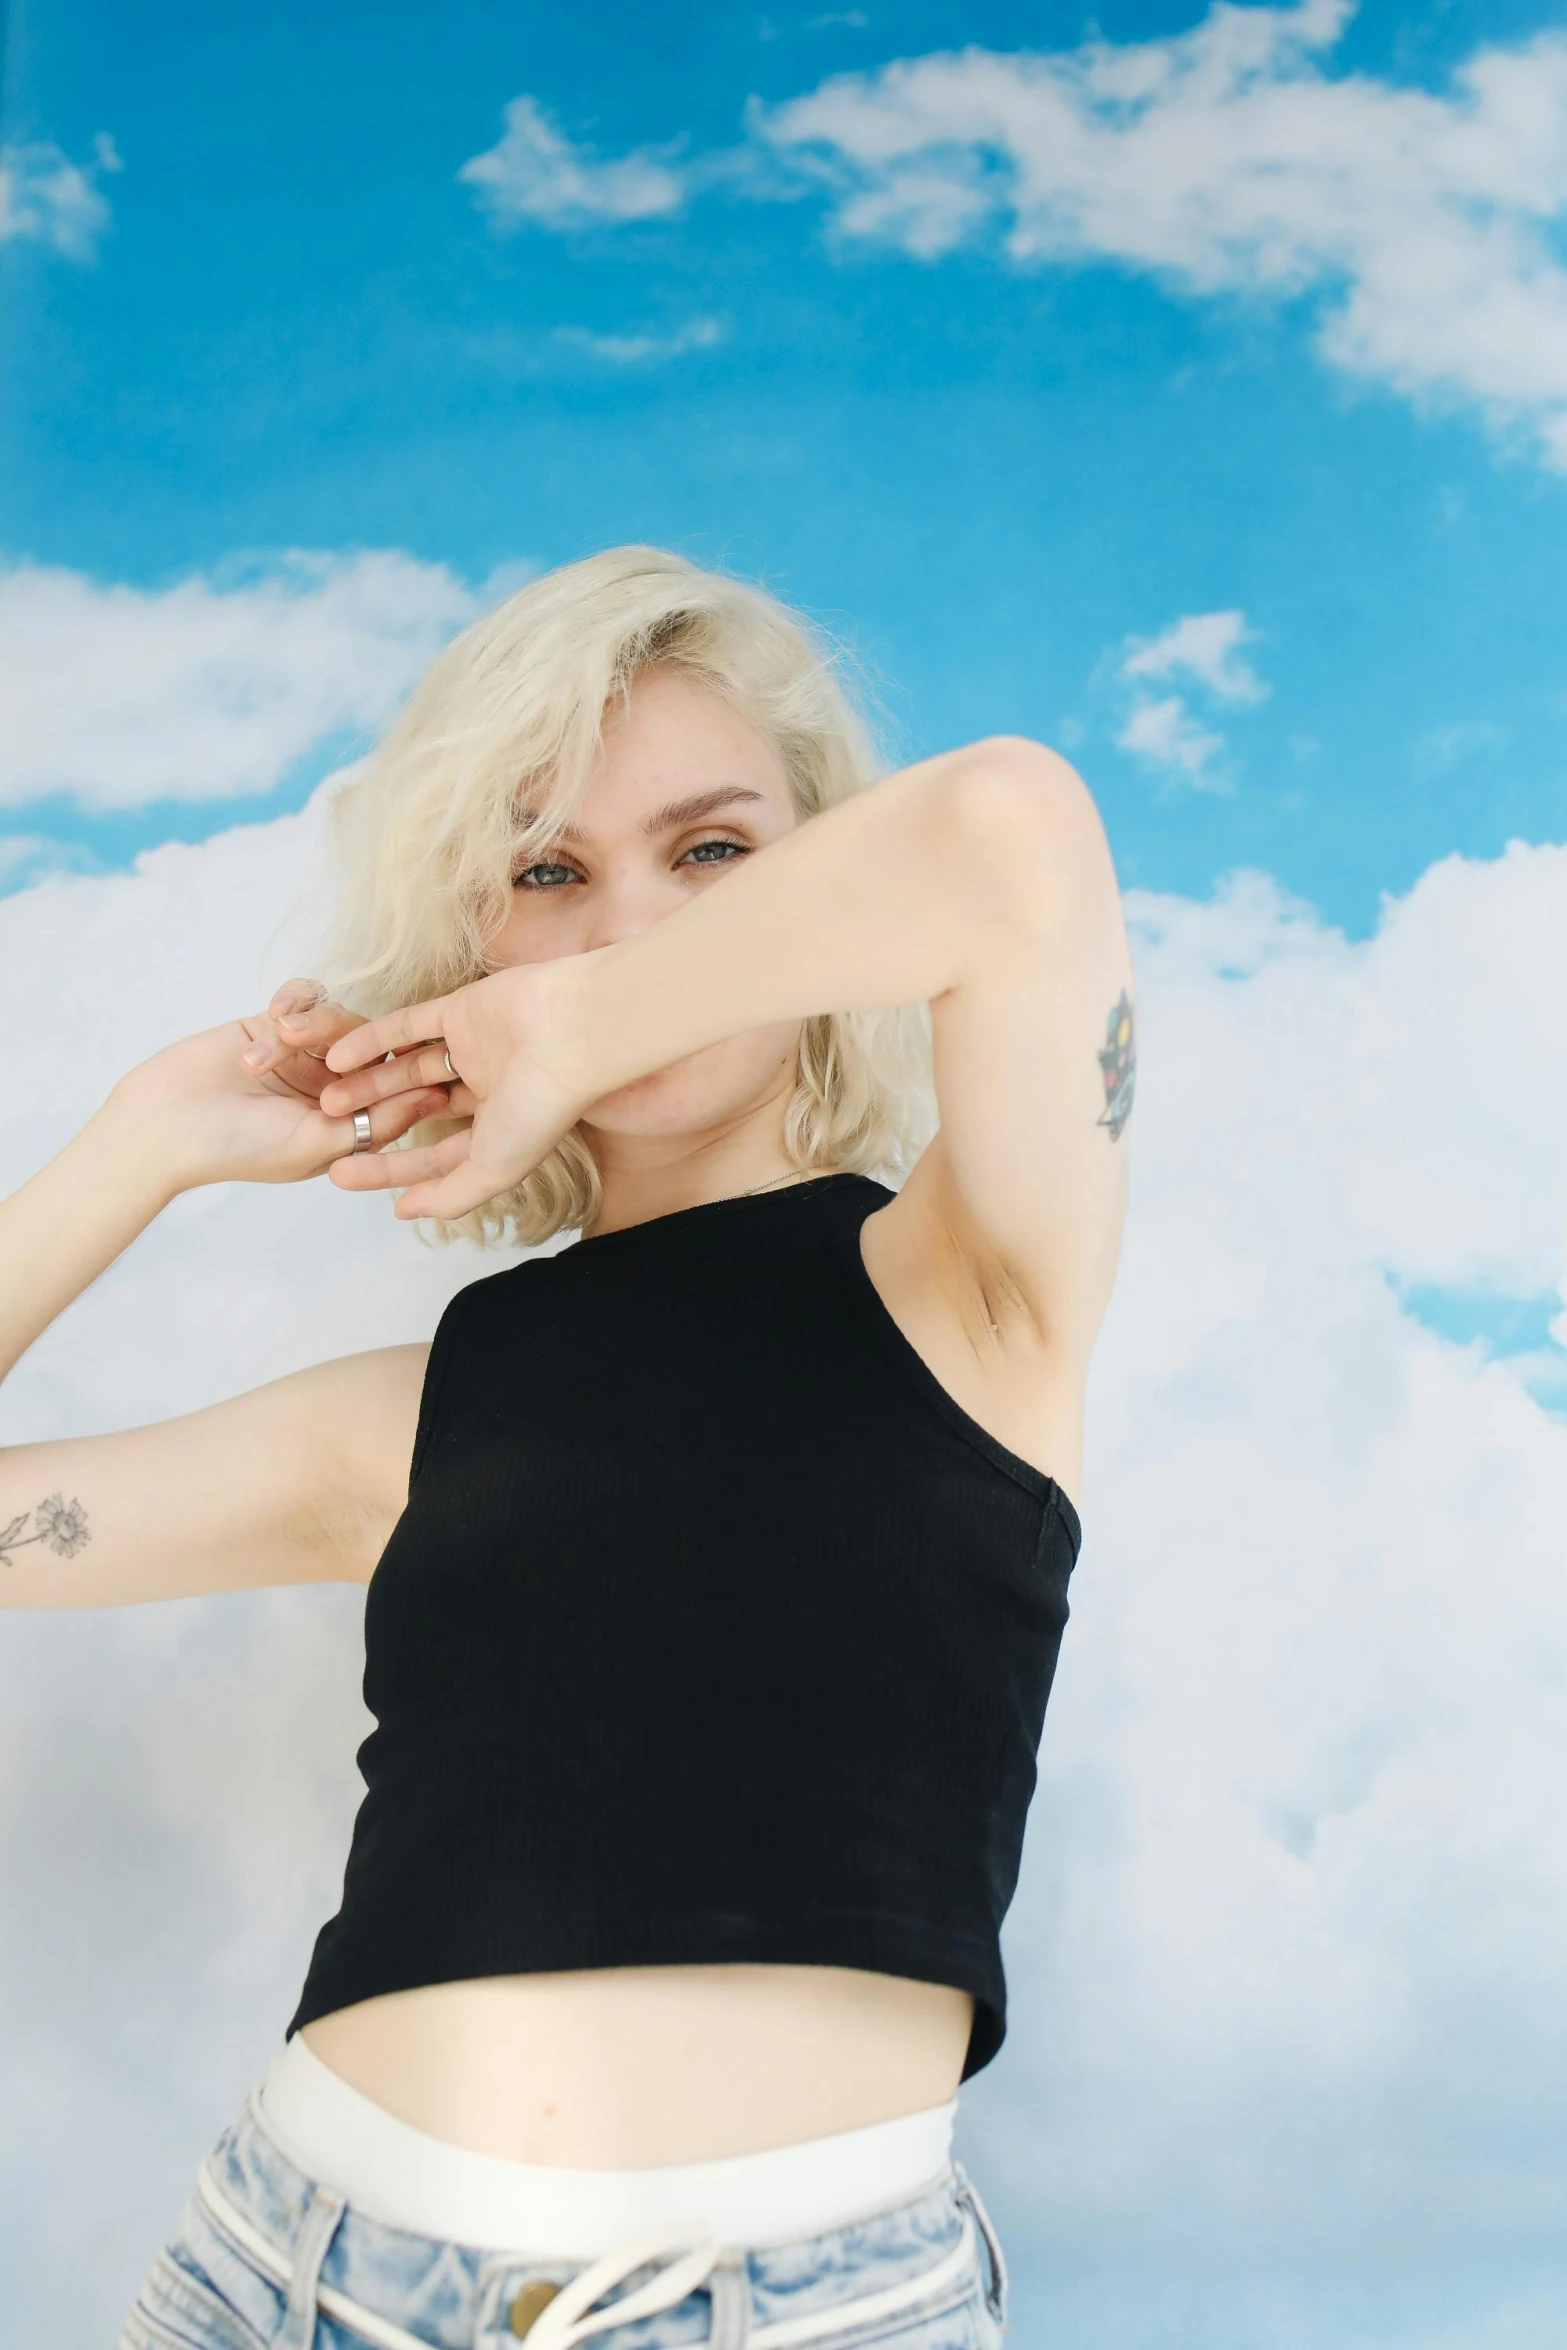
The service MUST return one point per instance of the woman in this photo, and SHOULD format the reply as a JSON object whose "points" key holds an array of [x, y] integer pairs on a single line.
{"points": [[717, 1562]]}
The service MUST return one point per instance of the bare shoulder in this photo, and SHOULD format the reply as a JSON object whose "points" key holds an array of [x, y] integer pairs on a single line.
{"points": [[369, 1407], [334, 1443], [339, 1444], [316, 1462]]}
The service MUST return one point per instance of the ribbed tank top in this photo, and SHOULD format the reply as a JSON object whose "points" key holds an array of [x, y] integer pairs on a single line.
{"points": [[714, 1629]]}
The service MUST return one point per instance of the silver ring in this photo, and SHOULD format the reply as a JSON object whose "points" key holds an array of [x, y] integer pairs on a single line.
{"points": [[362, 1130], [450, 1071]]}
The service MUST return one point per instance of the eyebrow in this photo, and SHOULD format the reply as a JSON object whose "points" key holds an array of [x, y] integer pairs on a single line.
{"points": [[675, 812]]}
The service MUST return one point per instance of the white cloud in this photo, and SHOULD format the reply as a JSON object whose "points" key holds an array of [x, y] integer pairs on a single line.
{"points": [[534, 172], [696, 334], [1203, 647], [50, 200], [1287, 1954], [1165, 733], [119, 695], [1206, 646], [1227, 159], [1423, 226]]}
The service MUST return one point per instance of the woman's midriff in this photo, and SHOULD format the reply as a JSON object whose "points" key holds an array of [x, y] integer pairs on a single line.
{"points": [[637, 2067]]}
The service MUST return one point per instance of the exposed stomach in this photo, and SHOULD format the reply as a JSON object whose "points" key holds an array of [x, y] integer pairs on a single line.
{"points": [[629, 2068]]}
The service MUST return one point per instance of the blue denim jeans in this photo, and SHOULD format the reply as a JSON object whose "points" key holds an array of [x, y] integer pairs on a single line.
{"points": [[268, 2259]]}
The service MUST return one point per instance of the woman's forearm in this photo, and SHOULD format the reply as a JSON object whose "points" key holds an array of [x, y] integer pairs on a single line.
{"points": [[74, 1217], [890, 897]]}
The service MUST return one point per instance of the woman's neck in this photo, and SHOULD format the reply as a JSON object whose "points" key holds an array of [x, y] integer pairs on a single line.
{"points": [[664, 1191]]}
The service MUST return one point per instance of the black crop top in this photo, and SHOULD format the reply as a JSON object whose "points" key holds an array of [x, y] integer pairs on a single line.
{"points": [[713, 1630]]}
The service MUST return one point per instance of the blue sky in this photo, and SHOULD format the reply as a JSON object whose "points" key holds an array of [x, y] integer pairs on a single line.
{"points": [[1187, 389], [301, 330]]}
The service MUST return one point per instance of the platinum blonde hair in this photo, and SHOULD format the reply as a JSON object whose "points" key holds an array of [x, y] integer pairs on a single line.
{"points": [[429, 831]]}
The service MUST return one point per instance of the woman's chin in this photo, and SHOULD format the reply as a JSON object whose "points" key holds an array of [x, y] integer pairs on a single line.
{"points": [[647, 1109], [687, 1098]]}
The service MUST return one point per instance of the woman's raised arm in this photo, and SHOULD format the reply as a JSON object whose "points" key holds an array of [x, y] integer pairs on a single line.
{"points": [[979, 882], [296, 1481]]}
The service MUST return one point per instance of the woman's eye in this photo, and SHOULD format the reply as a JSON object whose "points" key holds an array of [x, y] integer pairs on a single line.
{"points": [[550, 874], [739, 847]]}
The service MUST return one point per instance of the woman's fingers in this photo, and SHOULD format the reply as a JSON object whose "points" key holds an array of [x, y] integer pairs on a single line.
{"points": [[341, 1096], [292, 1039], [458, 1193], [393, 1033], [296, 995], [367, 1171]]}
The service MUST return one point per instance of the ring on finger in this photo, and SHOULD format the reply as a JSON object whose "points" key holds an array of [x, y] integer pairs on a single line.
{"points": [[447, 1058], [362, 1130]]}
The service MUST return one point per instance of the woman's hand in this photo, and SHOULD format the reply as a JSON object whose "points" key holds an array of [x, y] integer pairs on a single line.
{"points": [[240, 1103], [507, 1038]]}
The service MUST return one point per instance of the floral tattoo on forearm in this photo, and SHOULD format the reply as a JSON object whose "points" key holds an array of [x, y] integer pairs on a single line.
{"points": [[60, 1523], [1118, 1065]]}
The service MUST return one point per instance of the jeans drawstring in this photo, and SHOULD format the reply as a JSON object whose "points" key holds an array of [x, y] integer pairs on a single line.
{"points": [[571, 2317], [730, 2324]]}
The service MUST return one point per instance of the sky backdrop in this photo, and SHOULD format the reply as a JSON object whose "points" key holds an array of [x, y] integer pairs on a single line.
{"points": [[1187, 389]]}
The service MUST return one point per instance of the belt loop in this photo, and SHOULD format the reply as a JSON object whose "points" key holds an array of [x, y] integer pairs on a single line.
{"points": [[730, 2286], [996, 2291], [322, 2217]]}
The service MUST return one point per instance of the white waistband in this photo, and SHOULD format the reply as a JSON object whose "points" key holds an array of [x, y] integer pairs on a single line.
{"points": [[406, 2179]]}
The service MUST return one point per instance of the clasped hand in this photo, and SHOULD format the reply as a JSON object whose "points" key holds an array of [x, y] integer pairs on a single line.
{"points": [[498, 1047], [272, 1098]]}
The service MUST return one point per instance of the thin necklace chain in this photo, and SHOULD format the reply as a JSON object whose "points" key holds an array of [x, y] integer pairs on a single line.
{"points": [[792, 1177], [796, 1175]]}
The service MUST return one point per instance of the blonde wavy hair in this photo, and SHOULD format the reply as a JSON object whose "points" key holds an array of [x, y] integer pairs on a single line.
{"points": [[429, 831]]}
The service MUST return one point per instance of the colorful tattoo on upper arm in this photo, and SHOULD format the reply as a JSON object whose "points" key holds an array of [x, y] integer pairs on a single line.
{"points": [[1118, 1063], [61, 1524]]}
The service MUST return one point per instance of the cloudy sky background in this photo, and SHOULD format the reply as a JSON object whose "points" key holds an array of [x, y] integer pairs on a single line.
{"points": [[1192, 392]]}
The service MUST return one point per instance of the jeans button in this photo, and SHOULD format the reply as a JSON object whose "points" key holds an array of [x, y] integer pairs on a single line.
{"points": [[529, 2306]]}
